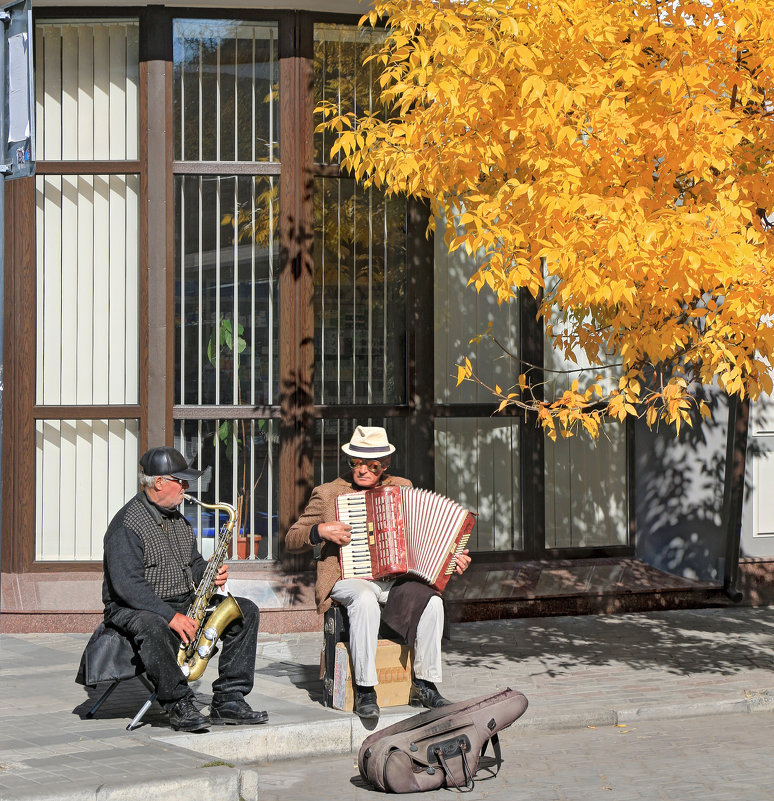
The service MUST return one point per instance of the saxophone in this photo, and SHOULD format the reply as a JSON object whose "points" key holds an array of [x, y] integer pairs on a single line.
{"points": [[193, 658]]}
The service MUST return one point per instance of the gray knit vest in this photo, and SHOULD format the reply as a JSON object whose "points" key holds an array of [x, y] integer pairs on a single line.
{"points": [[167, 550]]}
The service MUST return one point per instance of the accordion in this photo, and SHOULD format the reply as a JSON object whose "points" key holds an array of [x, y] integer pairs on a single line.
{"points": [[399, 530]]}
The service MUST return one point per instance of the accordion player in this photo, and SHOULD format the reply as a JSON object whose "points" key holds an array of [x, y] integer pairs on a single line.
{"points": [[402, 530]]}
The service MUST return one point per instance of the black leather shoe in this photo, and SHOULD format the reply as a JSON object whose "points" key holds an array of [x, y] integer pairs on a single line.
{"points": [[426, 695], [235, 713], [365, 704], [185, 716]]}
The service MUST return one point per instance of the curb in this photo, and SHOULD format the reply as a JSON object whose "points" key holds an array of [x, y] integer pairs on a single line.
{"points": [[222, 783], [754, 701], [339, 735]]}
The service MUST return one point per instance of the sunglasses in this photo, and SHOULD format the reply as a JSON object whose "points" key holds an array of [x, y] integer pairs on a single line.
{"points": [[372, 467]]}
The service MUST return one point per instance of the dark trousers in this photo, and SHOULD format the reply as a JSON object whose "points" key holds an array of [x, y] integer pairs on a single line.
{"points": [[158, 646]]}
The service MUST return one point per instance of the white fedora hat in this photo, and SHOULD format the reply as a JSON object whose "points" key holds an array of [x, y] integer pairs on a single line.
{"points": [[369, 442]]}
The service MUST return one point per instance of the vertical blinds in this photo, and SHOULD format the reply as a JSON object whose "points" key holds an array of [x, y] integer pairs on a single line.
{"points": [[87, 282]]}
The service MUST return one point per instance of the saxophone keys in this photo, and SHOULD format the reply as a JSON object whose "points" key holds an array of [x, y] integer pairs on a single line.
{"points": [[204, 651], [211, 633]]}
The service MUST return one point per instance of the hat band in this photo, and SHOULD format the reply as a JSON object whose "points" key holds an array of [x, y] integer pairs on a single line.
{"points": [[361, 449]]}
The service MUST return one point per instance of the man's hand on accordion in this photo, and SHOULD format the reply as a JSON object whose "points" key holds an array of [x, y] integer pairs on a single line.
{"points": [[336, 532], [462, 563]]}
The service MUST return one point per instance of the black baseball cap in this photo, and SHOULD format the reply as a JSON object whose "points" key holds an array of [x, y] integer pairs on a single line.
{"points": [[166, 461]]}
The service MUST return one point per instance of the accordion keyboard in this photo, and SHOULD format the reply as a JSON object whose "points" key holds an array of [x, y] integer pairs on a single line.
{"points": [[355, 557]]}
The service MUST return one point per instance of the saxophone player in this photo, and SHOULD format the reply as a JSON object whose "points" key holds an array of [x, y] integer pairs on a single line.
{"points": [[152, 568]]}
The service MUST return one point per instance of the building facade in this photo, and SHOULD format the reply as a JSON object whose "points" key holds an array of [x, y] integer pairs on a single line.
{"points": [[189, 266]]}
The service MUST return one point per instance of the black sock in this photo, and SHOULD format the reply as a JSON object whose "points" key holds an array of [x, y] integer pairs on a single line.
{"points": [[422, 683], [363, 688]]}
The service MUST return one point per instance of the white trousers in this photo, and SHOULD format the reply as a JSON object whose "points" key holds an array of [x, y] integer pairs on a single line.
{"points": [[363, 601]]}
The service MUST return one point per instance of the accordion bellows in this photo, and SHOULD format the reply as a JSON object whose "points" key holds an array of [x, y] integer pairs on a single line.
{"points": [[399, 530]]}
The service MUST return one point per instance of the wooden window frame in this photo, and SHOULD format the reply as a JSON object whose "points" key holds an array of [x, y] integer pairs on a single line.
{"points": [[20, 412]]}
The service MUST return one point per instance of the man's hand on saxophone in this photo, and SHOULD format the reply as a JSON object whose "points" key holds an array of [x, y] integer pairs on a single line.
{"points": [[222, 576], [185, 627]]}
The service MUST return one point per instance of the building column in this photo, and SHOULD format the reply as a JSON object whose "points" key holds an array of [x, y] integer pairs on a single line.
{"points": [[157, 246], [18, 521], [296, 270]]}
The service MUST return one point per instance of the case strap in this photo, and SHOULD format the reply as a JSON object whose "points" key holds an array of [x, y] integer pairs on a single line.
{"points": [[469, 783], [498, 755]]}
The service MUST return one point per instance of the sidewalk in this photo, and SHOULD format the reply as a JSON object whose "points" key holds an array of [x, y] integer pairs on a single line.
{"points": [[575, 671]]}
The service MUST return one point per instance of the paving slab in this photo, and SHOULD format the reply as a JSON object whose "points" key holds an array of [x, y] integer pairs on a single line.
{"points": [[575, 671]]}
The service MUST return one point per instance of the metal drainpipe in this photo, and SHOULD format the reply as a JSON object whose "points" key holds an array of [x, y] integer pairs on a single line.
{"points": [[4, 17], [2, 341], [733, 491]]}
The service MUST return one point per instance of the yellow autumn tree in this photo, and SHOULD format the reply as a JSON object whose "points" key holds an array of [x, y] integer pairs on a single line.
{"points": [[613, 158]]}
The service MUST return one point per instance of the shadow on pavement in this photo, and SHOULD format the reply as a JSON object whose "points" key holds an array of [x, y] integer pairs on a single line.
{"points": [[720, 642]]}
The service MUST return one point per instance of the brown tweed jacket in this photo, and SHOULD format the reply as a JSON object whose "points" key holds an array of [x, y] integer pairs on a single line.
{"points": [[320, 509]]}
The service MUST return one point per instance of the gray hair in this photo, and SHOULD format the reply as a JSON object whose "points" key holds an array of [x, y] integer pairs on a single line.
{"points": [[145, 480]]}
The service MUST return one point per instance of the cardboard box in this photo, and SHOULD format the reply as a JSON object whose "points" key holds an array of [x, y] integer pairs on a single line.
{"points": [[393, 672]]}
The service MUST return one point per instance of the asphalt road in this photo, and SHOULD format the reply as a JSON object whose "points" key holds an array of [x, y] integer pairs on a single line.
{"points": [[726, 758]]}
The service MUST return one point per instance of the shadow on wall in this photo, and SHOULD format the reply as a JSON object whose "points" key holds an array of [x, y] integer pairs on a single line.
{"points": [[678, 485]]}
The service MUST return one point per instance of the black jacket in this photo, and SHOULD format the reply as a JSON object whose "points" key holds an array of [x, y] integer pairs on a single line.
{"points": [[150, 557]]}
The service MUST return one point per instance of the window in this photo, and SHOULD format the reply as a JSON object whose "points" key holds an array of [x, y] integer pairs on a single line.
{"points": [[476, 455], [226, 100], [87, 316], [360, 272], [585, 480]]}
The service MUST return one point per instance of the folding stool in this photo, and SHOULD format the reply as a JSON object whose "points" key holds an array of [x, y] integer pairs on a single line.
{"points": [[110, 656]]}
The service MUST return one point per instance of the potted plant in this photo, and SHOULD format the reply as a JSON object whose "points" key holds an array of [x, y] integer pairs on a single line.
{"points": [[224, 339]]}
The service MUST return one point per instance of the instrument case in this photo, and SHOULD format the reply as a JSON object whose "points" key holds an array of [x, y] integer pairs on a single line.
{"points": [[442, 747]]}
